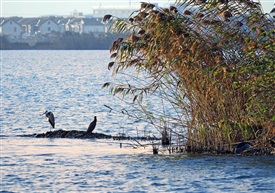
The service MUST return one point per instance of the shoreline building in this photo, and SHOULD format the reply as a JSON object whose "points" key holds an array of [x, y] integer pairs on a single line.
{"points": [[120, 11]]}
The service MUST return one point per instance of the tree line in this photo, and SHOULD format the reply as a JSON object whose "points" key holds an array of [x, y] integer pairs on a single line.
{"points": [[66, 41]]}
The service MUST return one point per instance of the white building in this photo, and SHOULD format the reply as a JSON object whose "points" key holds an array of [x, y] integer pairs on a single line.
{"points": [[10, 27], [120, 12], [75, 25], [63, 24], [93, 25], [47, 25], [28, 25]]}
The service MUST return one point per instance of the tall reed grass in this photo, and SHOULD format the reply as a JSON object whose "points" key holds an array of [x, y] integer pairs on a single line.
{"points": [[212, 60]]}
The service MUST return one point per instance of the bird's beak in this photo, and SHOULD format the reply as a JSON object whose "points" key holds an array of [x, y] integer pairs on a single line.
{"points": [[43, 113]]}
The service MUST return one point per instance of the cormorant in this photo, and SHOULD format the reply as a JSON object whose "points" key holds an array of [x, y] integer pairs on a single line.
{"points": [[92, 125]]}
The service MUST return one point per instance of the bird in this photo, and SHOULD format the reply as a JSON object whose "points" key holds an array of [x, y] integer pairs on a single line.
{"points": [[241, 147], [92, 125], [50, 116]]}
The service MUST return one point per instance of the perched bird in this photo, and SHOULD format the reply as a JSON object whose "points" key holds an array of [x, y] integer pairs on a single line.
{"points": [[92, 125], [50, 117]]}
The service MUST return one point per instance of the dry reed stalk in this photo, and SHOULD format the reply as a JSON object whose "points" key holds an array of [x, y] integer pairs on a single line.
{"points": [[224, 68]]}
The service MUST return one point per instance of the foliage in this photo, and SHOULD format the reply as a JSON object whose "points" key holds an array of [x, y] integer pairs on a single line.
{"points": [[213, 61]]}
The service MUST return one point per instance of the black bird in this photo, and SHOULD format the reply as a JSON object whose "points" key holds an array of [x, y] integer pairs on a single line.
{"points": [[92, 125], [242, 147], [50, 117]]}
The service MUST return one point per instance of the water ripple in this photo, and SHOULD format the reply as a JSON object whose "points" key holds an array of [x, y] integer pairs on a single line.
{"points": [[69, 84]]}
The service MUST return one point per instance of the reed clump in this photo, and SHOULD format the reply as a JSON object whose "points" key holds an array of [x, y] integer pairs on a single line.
{"points": [[213, 62]]}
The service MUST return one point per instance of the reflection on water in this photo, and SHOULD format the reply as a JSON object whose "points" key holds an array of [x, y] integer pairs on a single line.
{"points": [[69, 84], [75, 165]]}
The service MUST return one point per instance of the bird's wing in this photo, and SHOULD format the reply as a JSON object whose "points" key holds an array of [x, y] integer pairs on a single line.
{"points": [[52, 120], [91, 126]]}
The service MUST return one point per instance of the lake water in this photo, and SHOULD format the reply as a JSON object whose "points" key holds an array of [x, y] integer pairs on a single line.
{"points": [[68, 83]]}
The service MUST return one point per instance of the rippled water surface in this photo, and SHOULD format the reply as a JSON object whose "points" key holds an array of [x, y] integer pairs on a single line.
{"points": [[69, 84]]}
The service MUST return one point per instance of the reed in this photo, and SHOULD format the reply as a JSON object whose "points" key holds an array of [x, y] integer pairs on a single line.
{"points": [[212, 61]]}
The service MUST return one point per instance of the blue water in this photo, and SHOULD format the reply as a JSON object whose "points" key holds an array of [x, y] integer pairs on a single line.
{"points": [[69, 84]]}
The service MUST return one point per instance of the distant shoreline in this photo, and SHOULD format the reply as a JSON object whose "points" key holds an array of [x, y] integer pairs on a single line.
{"points": [[65, 42]]}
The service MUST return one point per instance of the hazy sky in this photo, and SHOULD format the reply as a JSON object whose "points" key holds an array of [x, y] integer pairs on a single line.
{"points": [[34, 8]]}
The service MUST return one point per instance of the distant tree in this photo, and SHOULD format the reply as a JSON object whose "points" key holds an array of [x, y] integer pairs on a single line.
{"points": [[4, 43], [68, 41]]}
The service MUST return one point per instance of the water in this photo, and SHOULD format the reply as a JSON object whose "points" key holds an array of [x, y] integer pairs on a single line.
{"points": [[69, 84]]}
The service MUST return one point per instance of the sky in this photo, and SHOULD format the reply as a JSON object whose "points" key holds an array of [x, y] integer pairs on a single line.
{"points": [[36, 8]]}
